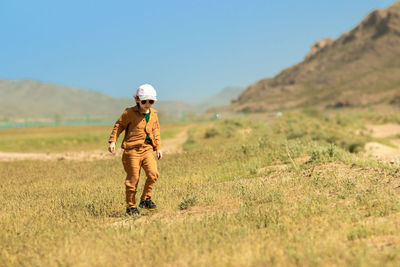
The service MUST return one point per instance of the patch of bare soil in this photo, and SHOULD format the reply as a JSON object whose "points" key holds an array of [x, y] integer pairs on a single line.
{"points": [[245, 132], [384, 130], [384, 152], [170, 146]]}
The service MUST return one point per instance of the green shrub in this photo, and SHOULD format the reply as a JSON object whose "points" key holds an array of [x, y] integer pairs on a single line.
{"points": [[211, 132], [187, 202], [355, 147]]}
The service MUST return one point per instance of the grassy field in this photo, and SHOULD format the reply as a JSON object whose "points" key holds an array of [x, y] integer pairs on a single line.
{"points": [[64, 138], [246, 191]]}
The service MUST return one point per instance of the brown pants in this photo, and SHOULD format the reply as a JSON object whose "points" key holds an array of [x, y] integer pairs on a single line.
{"points": [[134, 159]]}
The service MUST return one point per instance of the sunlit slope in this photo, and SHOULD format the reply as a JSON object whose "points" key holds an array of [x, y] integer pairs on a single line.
{"points": [[361, 67], [34, 99]]}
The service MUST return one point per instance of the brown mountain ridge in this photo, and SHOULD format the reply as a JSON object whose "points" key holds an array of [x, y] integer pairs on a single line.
{"points": [[361, 67]]}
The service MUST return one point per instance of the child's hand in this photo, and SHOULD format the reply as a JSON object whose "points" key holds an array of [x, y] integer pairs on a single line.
{"points": [[111, 147], [159, 154]]}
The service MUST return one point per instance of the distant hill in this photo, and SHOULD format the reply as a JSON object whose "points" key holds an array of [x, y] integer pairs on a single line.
{"points": [[174, 109], [37, 100], [361, 67], [34, 100], [222, 98]]}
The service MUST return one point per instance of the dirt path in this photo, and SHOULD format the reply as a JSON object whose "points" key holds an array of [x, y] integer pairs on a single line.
{"points": [[174, 145], [170, 146], [384, 152]]}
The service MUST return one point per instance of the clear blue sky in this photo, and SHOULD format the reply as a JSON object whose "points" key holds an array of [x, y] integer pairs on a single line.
{"points": [[187, 49]]}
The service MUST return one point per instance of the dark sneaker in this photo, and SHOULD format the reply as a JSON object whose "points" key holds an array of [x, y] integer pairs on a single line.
{"points": [[132, 211], [147, 204]]}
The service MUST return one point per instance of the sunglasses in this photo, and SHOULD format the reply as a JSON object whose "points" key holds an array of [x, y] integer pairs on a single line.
{"points": [[145, 101]]}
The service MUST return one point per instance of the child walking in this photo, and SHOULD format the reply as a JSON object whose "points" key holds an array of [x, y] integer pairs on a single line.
{"points": [[142, 137]]}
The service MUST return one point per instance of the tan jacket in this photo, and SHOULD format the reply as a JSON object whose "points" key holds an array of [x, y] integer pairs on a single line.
{"points": [[136, 128]]}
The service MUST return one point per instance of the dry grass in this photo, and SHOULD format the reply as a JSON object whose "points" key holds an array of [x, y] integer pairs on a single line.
{"points": [[326, 206]]}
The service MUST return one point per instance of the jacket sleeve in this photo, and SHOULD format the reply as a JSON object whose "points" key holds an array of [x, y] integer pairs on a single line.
{"points": [[156, 134], [119, 126]]}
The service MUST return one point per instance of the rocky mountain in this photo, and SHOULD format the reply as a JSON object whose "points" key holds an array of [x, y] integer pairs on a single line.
{"points": [[361, 67]]}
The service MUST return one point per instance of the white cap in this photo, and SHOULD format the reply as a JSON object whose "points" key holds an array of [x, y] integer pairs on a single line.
{"points": [[146, 91]]}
